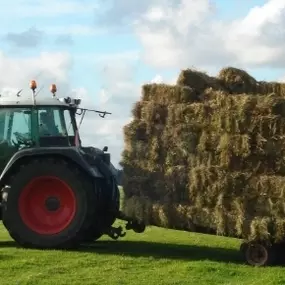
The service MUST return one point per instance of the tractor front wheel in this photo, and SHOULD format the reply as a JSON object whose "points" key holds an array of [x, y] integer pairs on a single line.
{"points": [[50, 204]]}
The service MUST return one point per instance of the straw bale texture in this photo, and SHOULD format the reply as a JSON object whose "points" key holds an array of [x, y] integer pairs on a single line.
{"points": [[208, 155]]}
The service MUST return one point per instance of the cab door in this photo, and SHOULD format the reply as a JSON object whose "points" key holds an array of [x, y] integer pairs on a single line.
{"points": [[13, 121], [6, 148]]}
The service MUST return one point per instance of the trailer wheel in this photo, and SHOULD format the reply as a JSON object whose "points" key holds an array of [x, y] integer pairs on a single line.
{"points": [[243, 247], [50, 204], [280, 253], [258, 254]]}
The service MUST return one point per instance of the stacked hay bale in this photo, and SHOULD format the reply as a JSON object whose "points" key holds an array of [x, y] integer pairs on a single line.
{"points": [[208, 155]]}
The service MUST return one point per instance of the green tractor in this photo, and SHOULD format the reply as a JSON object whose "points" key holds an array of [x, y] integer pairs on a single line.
{"points": [[55, 193]]}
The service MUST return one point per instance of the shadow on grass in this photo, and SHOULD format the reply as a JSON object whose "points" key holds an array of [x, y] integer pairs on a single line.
{"points": [[8, 244], [164, 250], [156, 250]]}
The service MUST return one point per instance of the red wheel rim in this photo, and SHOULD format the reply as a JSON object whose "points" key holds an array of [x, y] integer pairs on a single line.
{"points": [[47, 205]]}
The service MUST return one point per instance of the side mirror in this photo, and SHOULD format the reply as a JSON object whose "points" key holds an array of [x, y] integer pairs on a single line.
{"points": [[105, 148]]}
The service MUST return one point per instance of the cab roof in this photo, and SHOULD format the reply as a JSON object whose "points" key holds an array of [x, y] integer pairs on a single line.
{"points": [[28, 102]]}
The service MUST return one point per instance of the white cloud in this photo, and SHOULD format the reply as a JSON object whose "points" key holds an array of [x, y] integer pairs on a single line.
{"points": [[181, 33], [157, 79], [258, 39], [118, 94], [82, 93], [47, 68], [118, 87]]}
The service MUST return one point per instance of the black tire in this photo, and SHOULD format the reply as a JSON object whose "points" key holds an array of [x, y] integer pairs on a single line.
{"points": [[243, 248], [108, 209], [280, 253], [259, 254], [84, 214]]}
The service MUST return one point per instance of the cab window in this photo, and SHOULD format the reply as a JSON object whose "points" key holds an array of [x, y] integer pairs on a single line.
{"points": [[69, 123], [51, 122], [15, 122]]}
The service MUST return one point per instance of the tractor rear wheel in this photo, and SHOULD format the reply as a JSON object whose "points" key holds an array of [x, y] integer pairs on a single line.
{"points": [[50, 204]]}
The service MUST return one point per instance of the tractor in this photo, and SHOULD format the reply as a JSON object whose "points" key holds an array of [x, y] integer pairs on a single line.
{"points": [[55, 193]]}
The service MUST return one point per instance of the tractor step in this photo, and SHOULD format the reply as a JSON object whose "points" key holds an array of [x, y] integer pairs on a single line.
{"points": [[118, 232], [115, 233], [132, 224]]}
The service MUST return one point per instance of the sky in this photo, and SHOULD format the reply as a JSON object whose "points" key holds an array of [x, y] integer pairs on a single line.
{"points": [[104, 51]]}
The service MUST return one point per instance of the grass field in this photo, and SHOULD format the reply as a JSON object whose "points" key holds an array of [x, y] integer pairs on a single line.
{"points": [[158, 256]]}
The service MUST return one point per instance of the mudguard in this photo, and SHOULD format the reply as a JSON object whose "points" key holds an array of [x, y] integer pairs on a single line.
{"points": [[72, 153], [97, 157]]}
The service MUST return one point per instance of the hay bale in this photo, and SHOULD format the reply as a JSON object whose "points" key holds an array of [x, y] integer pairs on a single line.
{"points": [[237, 81], [271, 87], [139, 179], [197, 80], [136, 131], [227, 207], [176, 183], [200, 159], [137, 110], [196, 113], [150, 112], [232, 114], [166, 94]]}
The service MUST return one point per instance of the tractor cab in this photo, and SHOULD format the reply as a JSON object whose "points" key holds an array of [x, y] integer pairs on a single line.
{"points": [[46, 124], [39, 123], [56, 126]]}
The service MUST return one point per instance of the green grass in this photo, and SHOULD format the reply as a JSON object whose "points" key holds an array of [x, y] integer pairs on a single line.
{"points": [[158, 256]]}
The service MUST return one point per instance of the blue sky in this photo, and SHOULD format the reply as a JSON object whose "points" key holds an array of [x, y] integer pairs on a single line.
{"points": [[229, 9]]}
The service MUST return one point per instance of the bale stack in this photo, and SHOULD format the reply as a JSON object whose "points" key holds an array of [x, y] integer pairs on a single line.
{"points": [[208, 155]]}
